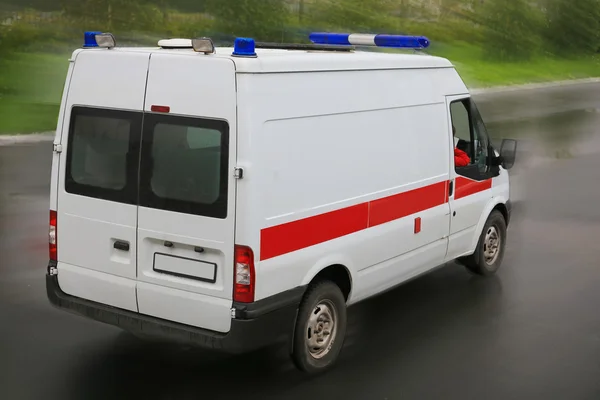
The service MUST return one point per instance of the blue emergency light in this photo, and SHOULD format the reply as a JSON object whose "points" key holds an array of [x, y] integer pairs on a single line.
{"points": [[381, 40], [90, 39], [99, 39], [244, 47]]}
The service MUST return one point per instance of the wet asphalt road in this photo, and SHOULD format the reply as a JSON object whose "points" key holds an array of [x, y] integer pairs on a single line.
{"points": [[531, 332]]}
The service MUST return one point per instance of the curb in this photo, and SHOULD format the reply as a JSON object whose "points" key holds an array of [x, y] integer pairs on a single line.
{"points": [[532, 86], [8, 140]]}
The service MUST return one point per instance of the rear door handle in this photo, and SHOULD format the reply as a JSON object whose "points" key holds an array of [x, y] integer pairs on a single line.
{"points": [[120, 245]]}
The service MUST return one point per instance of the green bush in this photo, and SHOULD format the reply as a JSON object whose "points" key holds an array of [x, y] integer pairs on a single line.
{"points": [[512, 30], [573, 29], [452, 30], [21, 37], [265, 20], [186, 25], [355, 15], [113, 15]]}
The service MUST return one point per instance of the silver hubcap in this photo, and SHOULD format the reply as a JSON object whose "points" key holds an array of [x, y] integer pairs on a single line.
{"points": [[491, 245], [321, 330]]}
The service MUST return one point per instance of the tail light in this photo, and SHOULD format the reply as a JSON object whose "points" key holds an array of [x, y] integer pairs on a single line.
{"points": [[243, 291], [52, 238]]}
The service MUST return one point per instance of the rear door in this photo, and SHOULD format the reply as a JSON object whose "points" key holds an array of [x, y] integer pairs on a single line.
{"points": [[187, 191], [97, 191]]}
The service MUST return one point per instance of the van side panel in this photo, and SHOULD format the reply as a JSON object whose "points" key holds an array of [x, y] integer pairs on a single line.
{"points": [[91, 263], [341, 170]]}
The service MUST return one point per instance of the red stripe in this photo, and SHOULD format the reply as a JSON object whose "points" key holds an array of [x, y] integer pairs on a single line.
{"points": [[404, 204], [467, 187], [296, 235]]}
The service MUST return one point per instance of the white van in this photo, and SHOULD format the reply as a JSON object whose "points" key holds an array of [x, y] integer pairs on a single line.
{"points": [[233, 198]]}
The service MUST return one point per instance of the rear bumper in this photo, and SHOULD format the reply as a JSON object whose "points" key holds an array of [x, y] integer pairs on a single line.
{"points": [[257, 325]]}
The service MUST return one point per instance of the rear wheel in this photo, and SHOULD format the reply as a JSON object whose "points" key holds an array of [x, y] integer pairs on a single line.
{"points": [[490, 249], [320, 328]]}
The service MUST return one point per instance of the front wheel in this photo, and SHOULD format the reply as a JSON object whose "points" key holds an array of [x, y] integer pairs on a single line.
{"points": [[320, 328], [490, 249]]}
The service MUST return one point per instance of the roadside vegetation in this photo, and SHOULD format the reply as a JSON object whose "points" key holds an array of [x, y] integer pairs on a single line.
{"points": [[491, 42]]}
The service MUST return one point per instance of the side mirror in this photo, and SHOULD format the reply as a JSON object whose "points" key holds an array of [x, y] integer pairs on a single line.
{"points": [[508, 153]]}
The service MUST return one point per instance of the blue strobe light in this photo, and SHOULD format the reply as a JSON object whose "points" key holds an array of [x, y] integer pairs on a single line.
{"points": [[244, 47], [90, 39]]}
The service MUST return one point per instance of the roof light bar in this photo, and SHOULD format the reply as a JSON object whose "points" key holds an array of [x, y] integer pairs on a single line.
{"points": [[381, 40], [99, 39]]}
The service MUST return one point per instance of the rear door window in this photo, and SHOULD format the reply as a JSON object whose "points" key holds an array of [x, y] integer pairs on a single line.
{"points": [[103, 154], [184, 165]]}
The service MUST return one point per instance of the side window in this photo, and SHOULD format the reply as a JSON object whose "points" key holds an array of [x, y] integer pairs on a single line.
{"points": [[481, 143], [185, 165], [102, 154], [470, 136], [461, 124]]}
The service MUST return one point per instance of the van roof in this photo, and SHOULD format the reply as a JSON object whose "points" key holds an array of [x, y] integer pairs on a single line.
{"points": [[281, 60]]}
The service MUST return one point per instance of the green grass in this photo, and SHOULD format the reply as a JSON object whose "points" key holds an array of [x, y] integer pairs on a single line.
{"points": [[31, 86], [478, 72], [17, 117]]}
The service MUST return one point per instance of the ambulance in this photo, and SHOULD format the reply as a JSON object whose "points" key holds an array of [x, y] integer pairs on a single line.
{"points": [[238, 198]]}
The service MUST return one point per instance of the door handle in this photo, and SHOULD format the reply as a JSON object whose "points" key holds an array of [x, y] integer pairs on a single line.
{"points": [[121, 245], [168, 244]]}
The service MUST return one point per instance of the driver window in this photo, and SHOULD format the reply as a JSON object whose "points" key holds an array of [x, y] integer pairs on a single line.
{"points": [[470, 137], [461, 124], [481, 144]]}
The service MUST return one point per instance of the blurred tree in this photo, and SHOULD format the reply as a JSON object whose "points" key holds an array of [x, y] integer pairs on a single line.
{"points": [[42, 5], [511, 29], [261, 19], [115, 14], [452, 7], [573, 26], [195, 6], [359, 15]]}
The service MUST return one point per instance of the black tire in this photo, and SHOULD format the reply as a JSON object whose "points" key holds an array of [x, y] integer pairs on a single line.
{"points": [[328, 293], [477, 262]]}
